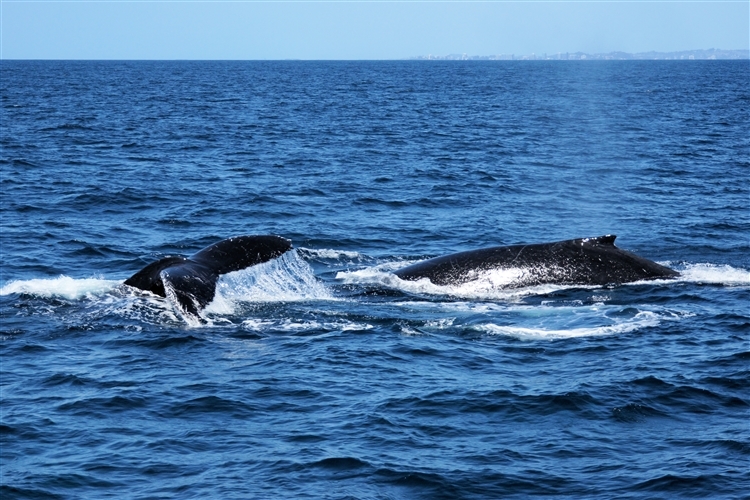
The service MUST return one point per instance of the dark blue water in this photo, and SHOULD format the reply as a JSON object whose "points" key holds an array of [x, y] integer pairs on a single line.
{"points": [[320, 374]]}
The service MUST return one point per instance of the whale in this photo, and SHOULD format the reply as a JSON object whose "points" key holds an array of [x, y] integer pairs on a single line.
{"points": [[191, 281], [582, 261]]}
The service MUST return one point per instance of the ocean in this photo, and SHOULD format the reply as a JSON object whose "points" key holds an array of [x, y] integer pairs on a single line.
{"points": [[322, 375]]}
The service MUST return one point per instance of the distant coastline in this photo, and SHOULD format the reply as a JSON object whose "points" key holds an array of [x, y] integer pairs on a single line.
{"points": [[708, 54]]}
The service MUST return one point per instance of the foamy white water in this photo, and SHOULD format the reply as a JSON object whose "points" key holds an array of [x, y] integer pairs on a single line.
{"points": [[287, 325], [641, 320], [715, 274], [327, 253], [62, 286]]}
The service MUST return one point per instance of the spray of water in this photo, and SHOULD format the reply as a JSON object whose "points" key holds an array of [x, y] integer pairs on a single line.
{"points": [[286, 279]]}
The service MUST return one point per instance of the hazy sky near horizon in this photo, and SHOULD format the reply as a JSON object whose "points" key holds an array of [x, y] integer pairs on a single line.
{"points": [[369, 29]]}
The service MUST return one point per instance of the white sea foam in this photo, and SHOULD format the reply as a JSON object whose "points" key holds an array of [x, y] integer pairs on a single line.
{"points": [[643, 319], [440, 324], [566, 311], [62, 286], [381, 274], [326, 253], [455, 306], [98, 298], [552, 320], [409, 331], [373, 274], [134, 304], [715, 274], [291, 326]]}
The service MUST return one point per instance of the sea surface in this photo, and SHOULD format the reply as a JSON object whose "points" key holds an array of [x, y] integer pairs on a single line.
{"points": [[320, 374]]}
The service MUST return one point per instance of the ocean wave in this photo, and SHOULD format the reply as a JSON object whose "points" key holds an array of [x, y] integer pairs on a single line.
{"points": [[549, 320], [331, 254], [643, 319], [297, 326], [719, 274], [63, 287]]}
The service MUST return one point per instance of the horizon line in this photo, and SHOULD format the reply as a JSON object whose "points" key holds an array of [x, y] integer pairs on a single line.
{"points": [[618, 55]]}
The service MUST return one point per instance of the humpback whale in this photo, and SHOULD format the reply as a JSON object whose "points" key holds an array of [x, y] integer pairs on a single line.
{"points": [[191, 281], [583, 261]]}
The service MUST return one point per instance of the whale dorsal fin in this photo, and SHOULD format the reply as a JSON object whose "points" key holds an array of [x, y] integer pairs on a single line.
{"points": [[607, 240]]}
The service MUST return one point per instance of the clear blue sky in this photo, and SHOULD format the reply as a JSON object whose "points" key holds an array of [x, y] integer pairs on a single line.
{"points": [[216, 29]]}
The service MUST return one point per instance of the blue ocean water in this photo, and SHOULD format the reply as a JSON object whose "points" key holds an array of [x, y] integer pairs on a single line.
{"points": [[320, 374]]}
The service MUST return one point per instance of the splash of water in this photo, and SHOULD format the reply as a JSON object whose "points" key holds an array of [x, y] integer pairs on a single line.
{"points": [[285, 279]]}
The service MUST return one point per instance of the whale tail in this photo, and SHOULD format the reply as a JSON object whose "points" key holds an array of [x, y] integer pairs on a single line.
{"points": [[191, 282]]}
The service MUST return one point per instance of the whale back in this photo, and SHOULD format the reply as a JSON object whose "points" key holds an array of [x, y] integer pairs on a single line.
{"points": [[583, 261]]}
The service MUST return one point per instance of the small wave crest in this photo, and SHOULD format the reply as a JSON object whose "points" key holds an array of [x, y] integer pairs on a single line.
{"points": [[715, 274], [292, 326], [643, 319], [549, 321], [63, 287], [331, 254], [94, 299]]}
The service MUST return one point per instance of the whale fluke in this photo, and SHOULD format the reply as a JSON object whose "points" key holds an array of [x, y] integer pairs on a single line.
{"points": [[583, 261], [191, 281]]}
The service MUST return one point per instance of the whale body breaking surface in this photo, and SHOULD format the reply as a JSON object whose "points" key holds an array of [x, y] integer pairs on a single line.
{"points": [[583, 261], [191, 281]]}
